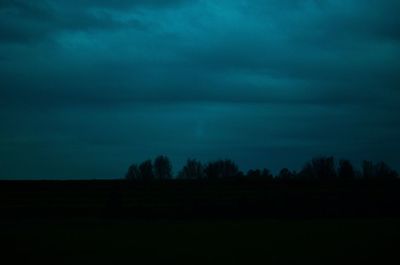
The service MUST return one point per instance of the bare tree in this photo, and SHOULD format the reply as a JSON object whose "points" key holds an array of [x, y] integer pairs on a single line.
{"points": [[368, 169], [266, 174], [254, 174], [378, 171], [319, 168], [162, 168], [133, 173], [192, 170], [324, 167], [258, 174], [307, 172], [383, 171], [146, 170], [285, 174], [346, 170], [222, 169]]}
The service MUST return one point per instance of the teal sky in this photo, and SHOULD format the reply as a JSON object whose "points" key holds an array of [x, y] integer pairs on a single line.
{"points": [[89, 87]]}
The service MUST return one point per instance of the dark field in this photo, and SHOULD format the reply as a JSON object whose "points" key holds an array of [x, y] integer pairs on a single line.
{"points": [[199, 199], [203, 242], [116, 222]]}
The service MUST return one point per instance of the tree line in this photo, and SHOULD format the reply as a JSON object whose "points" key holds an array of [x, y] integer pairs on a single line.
{"points": [[318, 168]]}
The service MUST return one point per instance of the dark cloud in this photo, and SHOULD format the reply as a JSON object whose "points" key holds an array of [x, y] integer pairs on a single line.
{"points": [[26, 21], [91, 86], [123, 4]]}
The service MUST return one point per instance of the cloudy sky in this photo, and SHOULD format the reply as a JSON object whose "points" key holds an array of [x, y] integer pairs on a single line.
{"points": [[88, 87]]}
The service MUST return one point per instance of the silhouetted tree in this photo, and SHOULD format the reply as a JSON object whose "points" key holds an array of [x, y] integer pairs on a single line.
{"points": [[240, 175], [192, 170], [146, 170], [307, 172], [321, 168], [377, 171], [368, 169], [383, 171], [266, 174], [285, 174], [254, 174], [358, 174], [221, 169], [133, 173], [324, 167], [258, 174], [346, 170], [162, 168]]}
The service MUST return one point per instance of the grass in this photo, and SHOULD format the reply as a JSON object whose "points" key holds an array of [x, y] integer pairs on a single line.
{"points": [[327, 241]]}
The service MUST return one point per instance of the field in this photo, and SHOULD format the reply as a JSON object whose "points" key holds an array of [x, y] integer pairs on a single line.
{"points": [[203, 242], [114, 222]]}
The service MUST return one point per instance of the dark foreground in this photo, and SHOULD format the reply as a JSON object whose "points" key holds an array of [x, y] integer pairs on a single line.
{"points": [[115, 222], [199, 200], [339, 241]]}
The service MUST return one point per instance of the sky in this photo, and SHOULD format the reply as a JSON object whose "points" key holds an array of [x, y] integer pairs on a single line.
{"points": [[89, 87]]}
